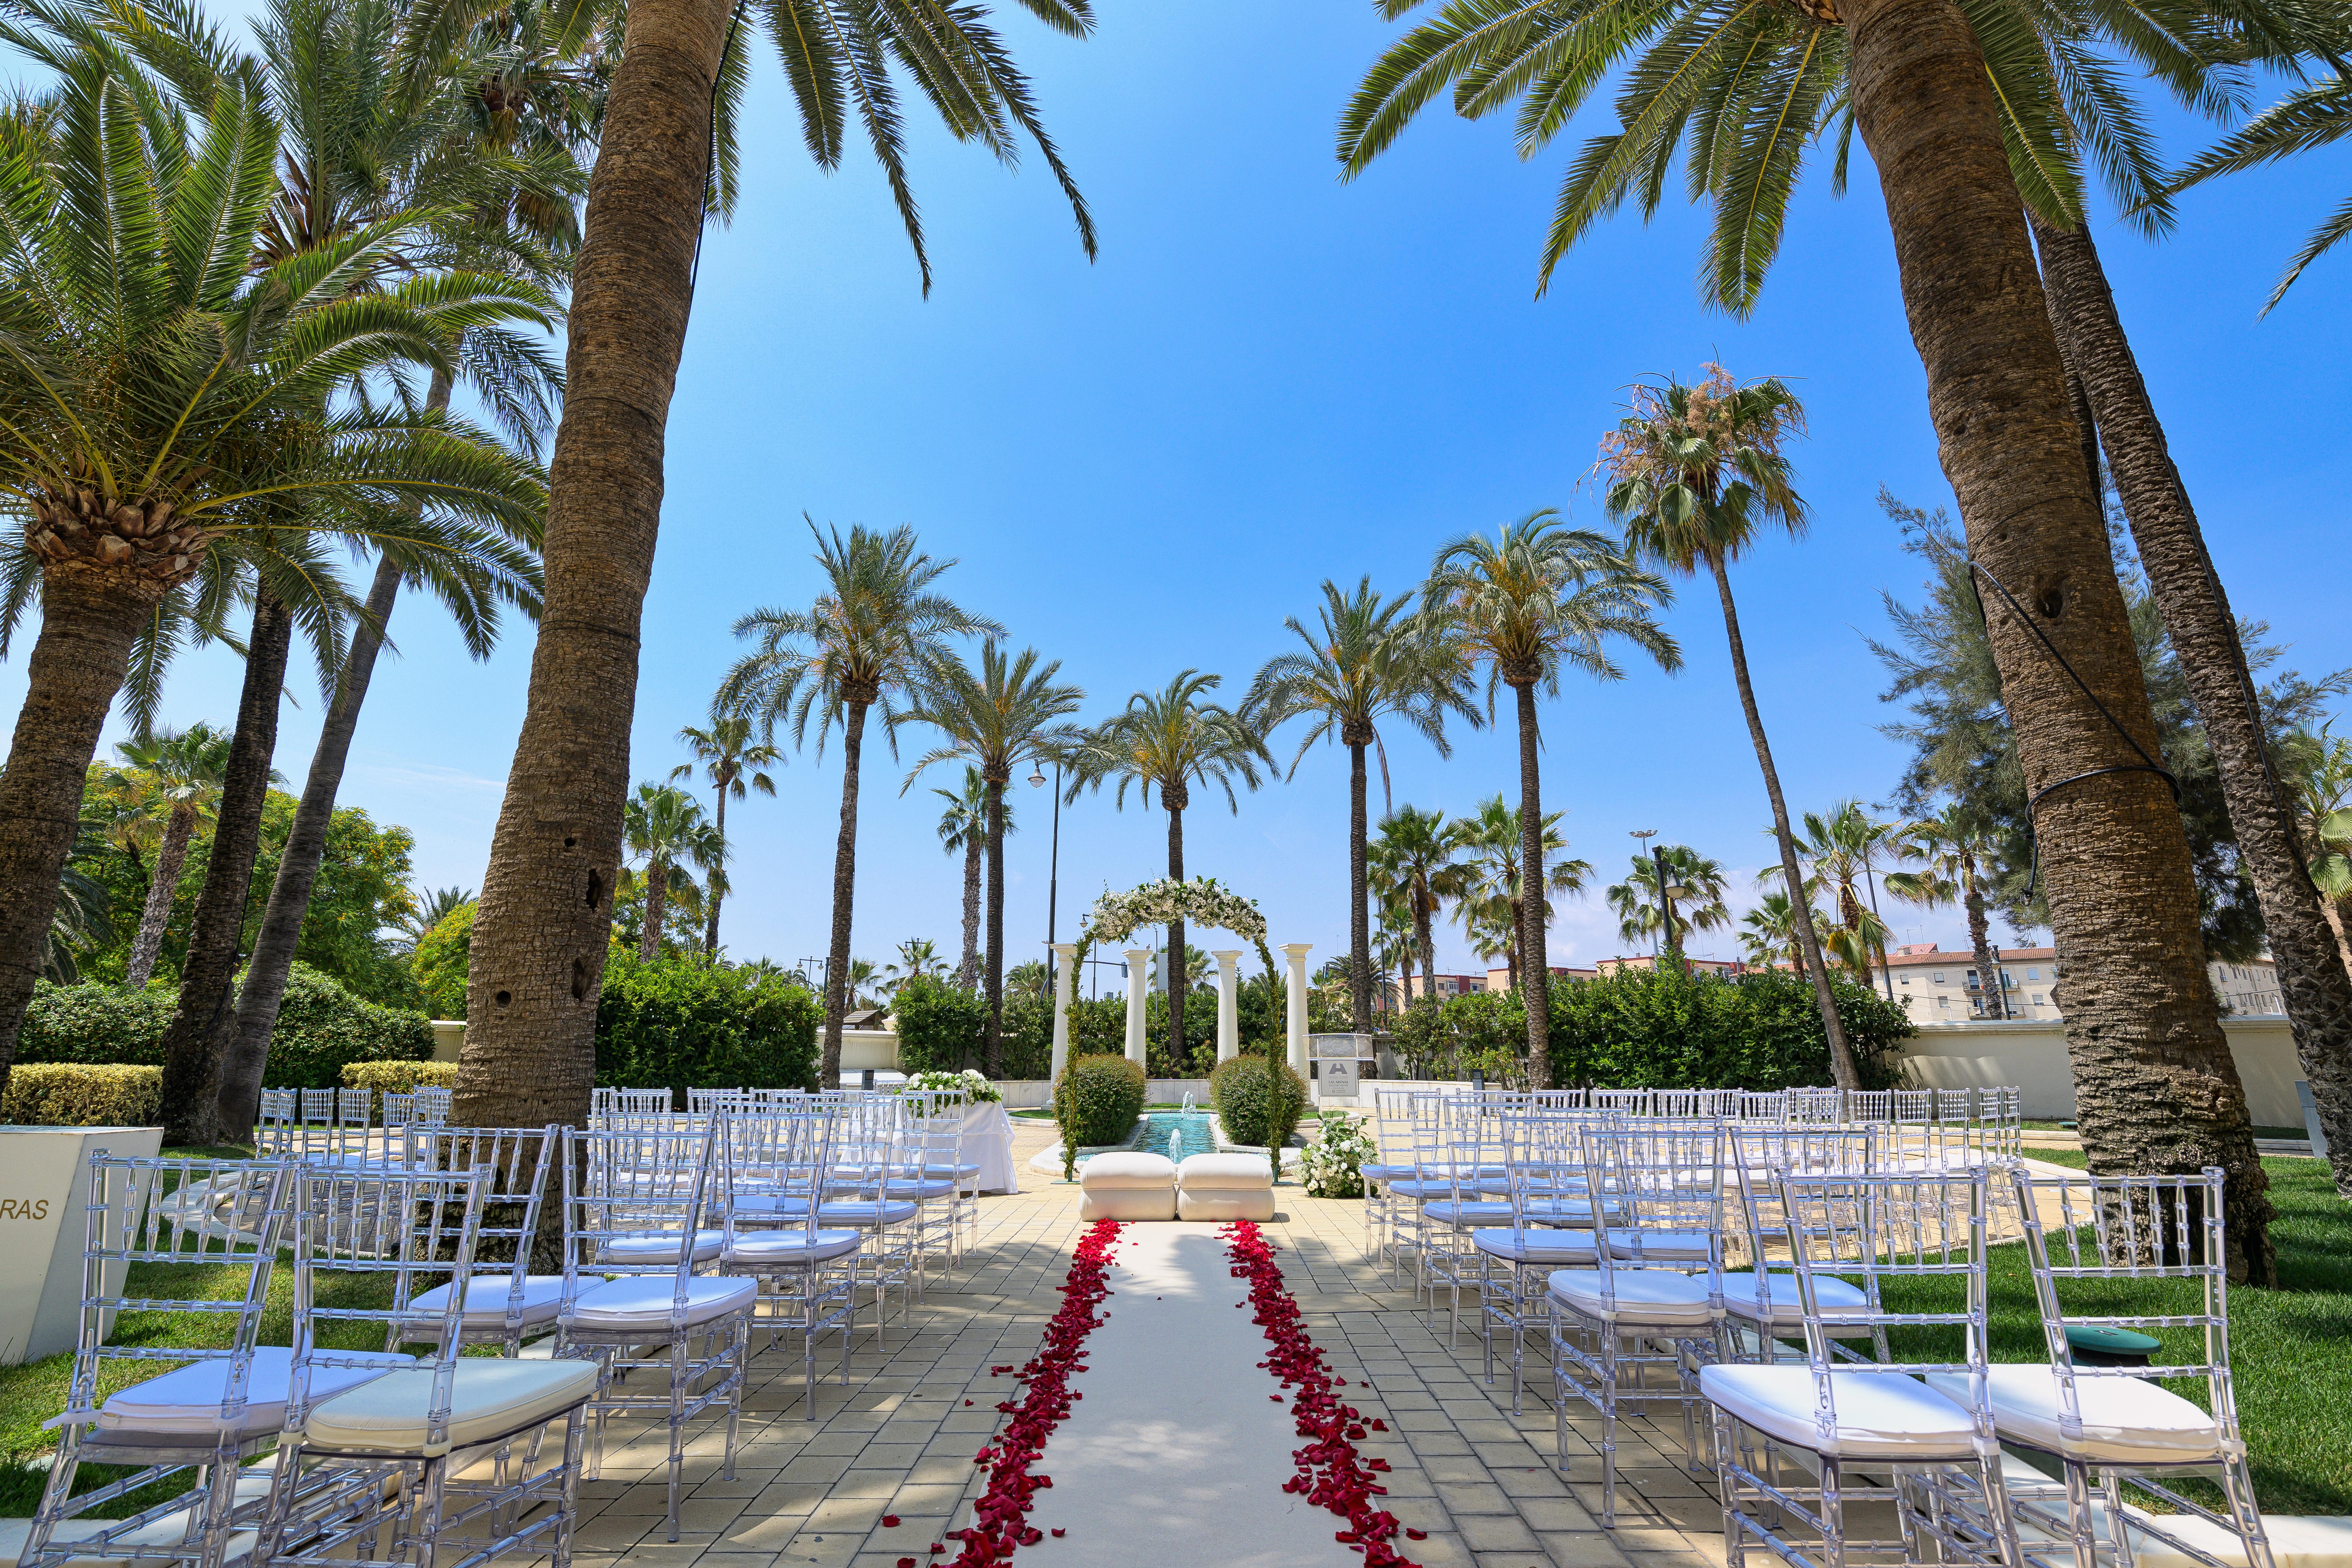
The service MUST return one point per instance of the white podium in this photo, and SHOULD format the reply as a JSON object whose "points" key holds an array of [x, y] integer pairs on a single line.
{"points": [[44, 1225]]}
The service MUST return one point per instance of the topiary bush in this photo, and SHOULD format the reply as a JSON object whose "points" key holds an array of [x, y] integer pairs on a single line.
{"points": [[682, 1024], [82, 1094], [939, 1025], [1097, 1100], [1258, 1104]]}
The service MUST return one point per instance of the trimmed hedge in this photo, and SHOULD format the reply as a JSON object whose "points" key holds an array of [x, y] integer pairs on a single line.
{"points": [[1256, 1108], [83, 1094], [680, 1024], [1098, 1100], [398, 1078], [939, 1025], [321, 1028]]}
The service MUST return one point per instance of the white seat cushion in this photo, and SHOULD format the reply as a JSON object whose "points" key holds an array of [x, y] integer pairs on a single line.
{"points": [[488, 1296], [1663, 1245], [1425, 1188], [953, 1173], [864, 1211], [658, 1246], [1224, 1173], [1129, 1203], [2125, 1419], [923, 1192], [489, 1397], [185, 1402], [1458, 1215], [1535, 1245], [1781, 1303], [1127, 1169], [1879, 1415], [1643, 1296], [1225, 1203], [1373, 1171], [790, 1249], [645, 1300]]}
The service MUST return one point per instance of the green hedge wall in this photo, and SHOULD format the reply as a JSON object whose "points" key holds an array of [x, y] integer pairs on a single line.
{"points": [[939, 1025], [683, 1025], [321, 1029]]}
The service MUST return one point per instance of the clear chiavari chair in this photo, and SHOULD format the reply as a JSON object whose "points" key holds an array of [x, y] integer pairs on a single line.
{"points": [[871, 1176], [1868, 1429], [318, 1107], [279, 1111], [1820, 1106], [2144, 1254], [417, 1434], [1628, 1332], [505, 1302], [1682, 1103], [399, 1110], [1761, 1105], [637, 1235], [1470, 1172], [1393, 1138], [1625, 1101], [433, 1106], [1550, 1228], [1869, 1105], [937, 1176], [777, 1158], [608, 1102], [1759, 1305]]}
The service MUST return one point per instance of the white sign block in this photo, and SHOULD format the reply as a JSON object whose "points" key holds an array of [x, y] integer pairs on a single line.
{"points": [[44, 1225]]}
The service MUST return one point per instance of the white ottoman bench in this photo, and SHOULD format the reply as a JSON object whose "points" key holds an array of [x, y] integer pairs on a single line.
{"points": [[1225, 1186], [1128, 1186]]}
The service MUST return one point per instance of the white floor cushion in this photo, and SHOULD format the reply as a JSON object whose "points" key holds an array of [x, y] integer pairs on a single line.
{"points": [[488, 1296], [658, 1246], [185, 1402], [1225, 1202], [2125, 1419], [1127, 1203], [1643, 1296], [1878, 1416], [1782, 1305], [1535, 1245], [1224, 1173], [645, 1300], [790, 1249], [1127, 1169], [489, 1397]]}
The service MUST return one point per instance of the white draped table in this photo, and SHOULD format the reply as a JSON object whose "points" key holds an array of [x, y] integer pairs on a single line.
{"points": [[988, 1143]]}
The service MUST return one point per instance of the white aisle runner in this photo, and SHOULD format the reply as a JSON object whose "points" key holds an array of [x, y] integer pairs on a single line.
{"points": [[1176, 1454]]}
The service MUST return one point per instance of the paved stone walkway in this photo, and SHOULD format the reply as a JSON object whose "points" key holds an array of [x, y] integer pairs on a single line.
{"points": [[899, 1440]]}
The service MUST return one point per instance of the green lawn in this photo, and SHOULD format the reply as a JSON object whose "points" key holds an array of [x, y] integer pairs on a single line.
{"points": [[2290, 1348]]}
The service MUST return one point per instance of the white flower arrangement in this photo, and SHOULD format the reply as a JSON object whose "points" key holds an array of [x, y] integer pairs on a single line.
{"points": [[974, 1085], [1200, 901], [1333, 1163]]}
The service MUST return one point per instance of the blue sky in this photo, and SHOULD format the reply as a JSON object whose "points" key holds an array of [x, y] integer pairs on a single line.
{"points": [[1271, 378]]}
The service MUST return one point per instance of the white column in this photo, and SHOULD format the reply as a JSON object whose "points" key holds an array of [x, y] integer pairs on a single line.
{"points": [[1138, 960], [1064, 978], [1229, 1017], [1295, 952]]}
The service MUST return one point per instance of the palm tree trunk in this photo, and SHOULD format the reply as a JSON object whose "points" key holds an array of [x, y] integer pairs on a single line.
{"points": [[1534, 965], [1426, 939], [196, 1043], [88, 621], [974, 845], [545, 918], [845, 885], [171, 856], [649, 925], [2327, 906], [717, 883], [992, 1038], [1843, 1070], [1359, 920], [2313, 981], [1981, 947], [1175, 944], [2155, 1088], [281, 934]]}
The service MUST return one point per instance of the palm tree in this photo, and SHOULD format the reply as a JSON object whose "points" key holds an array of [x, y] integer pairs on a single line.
{"points": [[859, 974], [1695, 474], [1954, 845], [1396, 938], [964, 830], [138, 468], [1367, 660], [1169, 740], [996, 720], [172, 782], [1842, 851], [875, 638], [1413, 862], [2319, 770], [436, 906], [1773, 936], [1952, 115], [666, 833], [663, 148], [1538, 596], [2313, 115], [1493, 910], [1692, 899], [917, 955], [735, 764]]}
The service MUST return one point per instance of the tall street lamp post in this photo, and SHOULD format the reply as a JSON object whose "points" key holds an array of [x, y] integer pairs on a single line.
{"points": [[1054, 866]]}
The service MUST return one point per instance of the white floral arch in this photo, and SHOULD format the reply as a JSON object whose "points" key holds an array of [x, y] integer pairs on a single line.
{"points": [[1200, 901]]}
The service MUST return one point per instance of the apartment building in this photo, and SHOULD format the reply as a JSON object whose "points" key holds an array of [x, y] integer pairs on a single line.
{"points": [[1645, 962], [1935, 986]]}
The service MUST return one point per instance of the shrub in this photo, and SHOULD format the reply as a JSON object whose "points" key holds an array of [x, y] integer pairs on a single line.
{"points": [[1258, 1104], [939, 1025], [443, 960], [399, 1077], [321, 1028], [83, 1094], [1097, 1100], [679, 1025]]}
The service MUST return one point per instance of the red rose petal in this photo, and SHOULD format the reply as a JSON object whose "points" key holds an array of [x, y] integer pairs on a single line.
{"points": [[1412, 1535], [906, 1563], [1059, 1533], [890, 1521]]}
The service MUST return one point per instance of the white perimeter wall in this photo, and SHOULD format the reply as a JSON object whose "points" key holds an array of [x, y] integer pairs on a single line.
{"points": [[2034, 1057]]}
